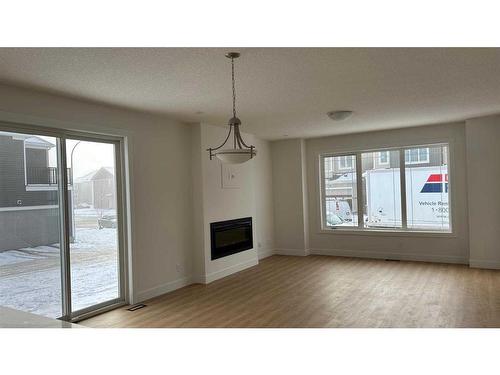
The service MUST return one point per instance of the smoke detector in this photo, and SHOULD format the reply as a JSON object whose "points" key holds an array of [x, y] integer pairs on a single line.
{"points": [[339, 115]]}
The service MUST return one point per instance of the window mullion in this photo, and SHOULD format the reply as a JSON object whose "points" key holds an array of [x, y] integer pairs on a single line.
{"points": [[402, 180], [64, 227], [359, 190]]}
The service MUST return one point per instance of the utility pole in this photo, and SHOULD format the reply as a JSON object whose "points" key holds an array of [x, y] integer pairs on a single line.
{"points": [[73, 225]]}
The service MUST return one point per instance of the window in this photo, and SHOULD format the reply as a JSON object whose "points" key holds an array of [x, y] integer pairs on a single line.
{"points": [[39, 152], [427, 192], [409, 197], [340, 191], [345, 162], [383, 157], [417, 156], [329, 167], [381, 191]]}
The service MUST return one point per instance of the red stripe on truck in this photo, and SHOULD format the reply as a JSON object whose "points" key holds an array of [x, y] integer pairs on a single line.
{"points": [[435, 178]]}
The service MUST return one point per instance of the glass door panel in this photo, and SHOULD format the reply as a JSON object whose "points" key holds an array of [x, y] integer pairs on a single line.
{"points": [[92, 197], [30, 255]]}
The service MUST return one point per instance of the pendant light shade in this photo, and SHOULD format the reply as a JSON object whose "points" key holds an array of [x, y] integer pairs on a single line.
{"points": [[234, 155], [240, 152]]}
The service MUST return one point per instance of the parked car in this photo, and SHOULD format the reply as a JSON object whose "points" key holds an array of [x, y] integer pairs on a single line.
{"points": [[83, 205], [107, 221], [342, 209], [333, 220]]}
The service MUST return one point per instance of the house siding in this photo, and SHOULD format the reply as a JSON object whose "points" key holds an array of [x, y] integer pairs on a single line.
{"points": [[98, 191], [29, 228], [20, 227], [370, 161]]}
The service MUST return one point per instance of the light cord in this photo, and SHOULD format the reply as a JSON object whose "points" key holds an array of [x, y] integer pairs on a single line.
{"points": [[234, 89]]}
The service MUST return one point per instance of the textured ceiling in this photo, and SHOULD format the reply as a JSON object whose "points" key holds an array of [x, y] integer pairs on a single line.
{"points": [[281, 91]]}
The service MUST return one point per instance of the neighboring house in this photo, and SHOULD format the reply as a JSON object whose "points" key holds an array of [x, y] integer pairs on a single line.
{"points": [[340, 171], [96, 189], [29, 214]]}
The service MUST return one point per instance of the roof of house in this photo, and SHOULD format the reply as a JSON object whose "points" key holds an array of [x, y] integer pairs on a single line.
{"points": [[39, 142], [30, 140], [91, 176]]}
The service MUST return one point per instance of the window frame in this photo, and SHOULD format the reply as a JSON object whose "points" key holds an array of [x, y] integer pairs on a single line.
{"points": [[404, 230], [427, 160]]}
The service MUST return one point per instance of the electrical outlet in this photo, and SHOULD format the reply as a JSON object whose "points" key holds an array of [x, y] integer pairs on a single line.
{"points": [[178, 268]]}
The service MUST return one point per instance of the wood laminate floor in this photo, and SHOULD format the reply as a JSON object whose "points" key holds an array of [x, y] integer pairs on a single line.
{"points": [[323, 291]]}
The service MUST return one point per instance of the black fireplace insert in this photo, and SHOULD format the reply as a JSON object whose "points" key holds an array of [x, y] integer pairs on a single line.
{"points": [[231, 237]]}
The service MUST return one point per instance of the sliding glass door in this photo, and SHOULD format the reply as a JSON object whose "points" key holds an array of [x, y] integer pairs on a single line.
{"points": [[94, 254], [60, 223]]}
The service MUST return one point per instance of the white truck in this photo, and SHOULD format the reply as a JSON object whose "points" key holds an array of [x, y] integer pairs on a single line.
{"points": [[426, 198]]}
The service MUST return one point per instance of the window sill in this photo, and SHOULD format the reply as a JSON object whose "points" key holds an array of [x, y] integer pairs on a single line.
{"points": [[43, 187], [385, 232], [416, 162]]}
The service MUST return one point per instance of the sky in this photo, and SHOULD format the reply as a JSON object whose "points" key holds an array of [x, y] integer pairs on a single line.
{"points": [[87, 156]]}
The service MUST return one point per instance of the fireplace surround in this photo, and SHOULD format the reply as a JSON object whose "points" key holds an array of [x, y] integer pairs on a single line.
{"points": [[230, 237]]}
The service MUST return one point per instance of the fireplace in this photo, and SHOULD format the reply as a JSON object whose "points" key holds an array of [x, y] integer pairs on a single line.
{"points": [[231, 237]]}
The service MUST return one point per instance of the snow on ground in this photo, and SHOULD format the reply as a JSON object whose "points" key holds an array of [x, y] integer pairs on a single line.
{"points": [[27, 254], [90, 238], [92, 212], [30, 278]]}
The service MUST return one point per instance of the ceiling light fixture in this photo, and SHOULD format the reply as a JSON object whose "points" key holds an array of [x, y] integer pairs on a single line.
{"points": [[339, 115], [240, 152]]}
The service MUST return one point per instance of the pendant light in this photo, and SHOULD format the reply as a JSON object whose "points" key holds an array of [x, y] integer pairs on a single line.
{"points": [[240, 152]]}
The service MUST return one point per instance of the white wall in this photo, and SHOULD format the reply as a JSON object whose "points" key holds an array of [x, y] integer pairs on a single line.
{"points": [[263, 198], [252, 198], [198, 153], [289, 192], [483, 183], [159, 160], [288, 207]]}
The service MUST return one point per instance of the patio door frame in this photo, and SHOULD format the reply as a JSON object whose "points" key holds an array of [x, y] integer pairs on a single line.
{"points": [[63, 194]]}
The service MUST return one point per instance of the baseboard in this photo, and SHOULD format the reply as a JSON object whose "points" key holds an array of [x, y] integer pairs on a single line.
{"points": [[265, 253], [391, 255], [293, 252], [180, 283], [229, 270], [162, 289], [489, 264], [198, 279]]}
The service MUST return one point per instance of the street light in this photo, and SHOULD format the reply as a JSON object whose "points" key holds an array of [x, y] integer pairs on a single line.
{"points": [[71, 158], [73, 225]]}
